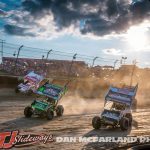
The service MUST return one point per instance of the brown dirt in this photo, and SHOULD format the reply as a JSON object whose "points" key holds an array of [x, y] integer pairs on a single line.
{"points": [[75, 122]]}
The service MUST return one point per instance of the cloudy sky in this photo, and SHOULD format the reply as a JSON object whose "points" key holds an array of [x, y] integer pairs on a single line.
{"points": [[108, 29]]}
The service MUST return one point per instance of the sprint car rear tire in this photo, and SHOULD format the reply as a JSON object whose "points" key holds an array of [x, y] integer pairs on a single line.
{"points": [[96, 122], [49, 114], [134, 105], [16, 90], [124, 124], [28, 111], [129, 116], [29, 93], [59, 110]]}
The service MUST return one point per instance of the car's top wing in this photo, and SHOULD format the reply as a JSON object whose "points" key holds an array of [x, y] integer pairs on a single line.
{"points": [[33, 77], [123, 95], [51, 90]]}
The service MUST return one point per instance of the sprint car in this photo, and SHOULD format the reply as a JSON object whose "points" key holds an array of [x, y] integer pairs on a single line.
{"points": [[117, 108], [47, 104], [30, 83]]}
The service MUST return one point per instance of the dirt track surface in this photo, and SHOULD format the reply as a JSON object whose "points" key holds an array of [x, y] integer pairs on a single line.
{"points": [[76, 121]]}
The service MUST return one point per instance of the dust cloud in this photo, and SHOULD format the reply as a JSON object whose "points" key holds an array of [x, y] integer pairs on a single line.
{"points": [[77, 105]]}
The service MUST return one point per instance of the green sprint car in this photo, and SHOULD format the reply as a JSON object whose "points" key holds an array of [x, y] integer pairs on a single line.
{"points": [[47, 105]]}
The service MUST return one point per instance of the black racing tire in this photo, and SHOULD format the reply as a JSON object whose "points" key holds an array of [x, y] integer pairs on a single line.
{"points": [[96, 122], [134, 105], [28, 112], [59, 110], [49, 114], [124, 124], [29, 93], [16, 90], [129, 116]]}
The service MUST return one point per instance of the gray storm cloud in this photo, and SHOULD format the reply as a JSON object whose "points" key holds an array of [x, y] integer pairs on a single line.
{"points": [[15, 30], [100, 17]]}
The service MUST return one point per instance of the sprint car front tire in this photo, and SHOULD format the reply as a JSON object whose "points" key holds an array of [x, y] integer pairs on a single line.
{"points": [[96, 122], [59, 110], [49, 114], [124, 124], [28, 111]]}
